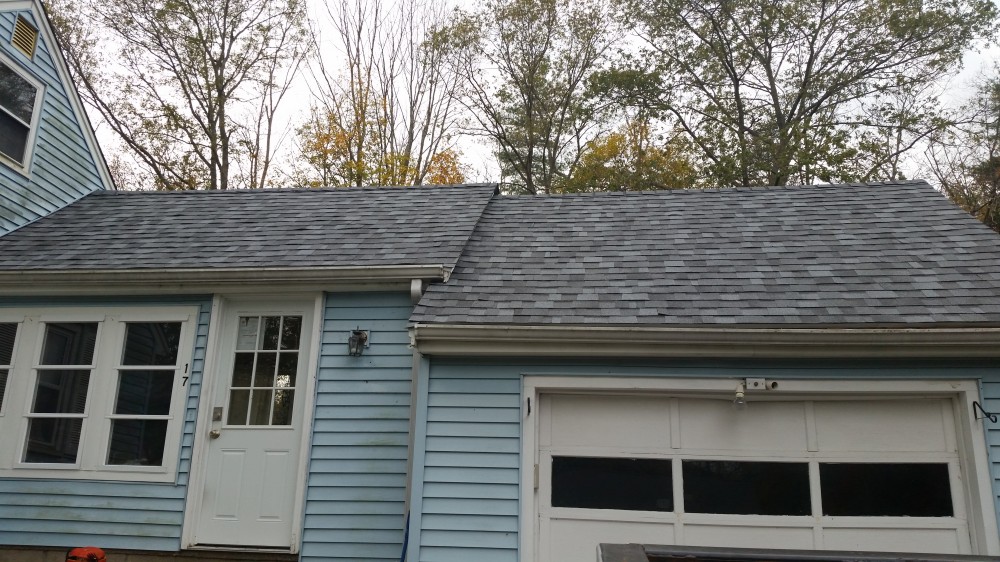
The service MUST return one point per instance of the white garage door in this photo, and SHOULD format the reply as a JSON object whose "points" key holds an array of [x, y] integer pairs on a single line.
{"points": [[874, 475]]}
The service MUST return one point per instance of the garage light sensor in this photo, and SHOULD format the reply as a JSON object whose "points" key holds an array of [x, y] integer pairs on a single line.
{"points": [[740, 402]]}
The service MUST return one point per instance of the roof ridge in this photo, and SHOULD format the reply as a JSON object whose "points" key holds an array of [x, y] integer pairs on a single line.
{"points": [[351, 189], [689, 190]]}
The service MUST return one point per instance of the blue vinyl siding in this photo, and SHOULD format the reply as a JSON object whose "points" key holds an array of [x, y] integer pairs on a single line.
{"points": [[133, 515], [62, 168], [355, 501], [468, 489]]}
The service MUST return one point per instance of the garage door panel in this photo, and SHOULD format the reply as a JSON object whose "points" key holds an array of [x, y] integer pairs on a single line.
{"points": [[619, 422], [884, 426], [756, 536], [577, 540], [716, 425], [847, 450], [933, 541]]}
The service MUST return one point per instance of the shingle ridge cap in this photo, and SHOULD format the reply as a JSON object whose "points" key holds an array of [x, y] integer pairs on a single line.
{"points": [[366, 189], [697, 190]]}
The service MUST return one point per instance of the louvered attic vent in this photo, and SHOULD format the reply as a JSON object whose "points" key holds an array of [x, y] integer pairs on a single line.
{"points": [[25, 37]]}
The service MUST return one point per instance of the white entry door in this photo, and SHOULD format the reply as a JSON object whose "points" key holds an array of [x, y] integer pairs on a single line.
{"points": [[253, 466]]}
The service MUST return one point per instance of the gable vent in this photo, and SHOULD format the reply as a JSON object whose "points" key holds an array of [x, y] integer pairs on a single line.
{"points": [[25, 37]]}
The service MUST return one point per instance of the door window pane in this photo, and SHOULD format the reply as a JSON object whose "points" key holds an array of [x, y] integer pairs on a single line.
{"points": [[283, 402], [612, 483], [260, 407], [53, 440], [746, 488], [272, 330], [288, 365], [886, 489], [291, 327], [137, 442], [246, 337], [239, 404], [264, 372], [144, 393], [151, 343], [243, 369], [69, 343]]}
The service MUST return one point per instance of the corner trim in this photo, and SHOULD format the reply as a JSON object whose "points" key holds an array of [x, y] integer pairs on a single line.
{"points": [[630, 341]]}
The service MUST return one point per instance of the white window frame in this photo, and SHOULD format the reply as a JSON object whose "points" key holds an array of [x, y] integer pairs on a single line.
{"points": [[978, 491], [36, 112], [101, 392]]}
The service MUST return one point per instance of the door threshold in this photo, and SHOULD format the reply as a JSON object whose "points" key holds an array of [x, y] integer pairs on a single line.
{"points": [[266, 552]]}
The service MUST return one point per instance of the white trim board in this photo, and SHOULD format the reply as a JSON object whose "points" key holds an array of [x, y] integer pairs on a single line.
{"points": [[697, 341], [232, 280]]}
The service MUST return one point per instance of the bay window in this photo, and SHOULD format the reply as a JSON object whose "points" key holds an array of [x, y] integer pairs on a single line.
{"points": [[94, 394]]}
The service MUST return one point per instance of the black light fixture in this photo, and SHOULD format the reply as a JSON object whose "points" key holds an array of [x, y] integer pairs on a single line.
{"points": [[357, 342]]}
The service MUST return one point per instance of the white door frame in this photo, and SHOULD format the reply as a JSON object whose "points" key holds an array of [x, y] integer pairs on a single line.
{"points": [[971, 434], [199, 453]]}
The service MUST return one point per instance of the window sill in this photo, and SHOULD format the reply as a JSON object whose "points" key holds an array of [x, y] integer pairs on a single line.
{"points": [[153, 475]]}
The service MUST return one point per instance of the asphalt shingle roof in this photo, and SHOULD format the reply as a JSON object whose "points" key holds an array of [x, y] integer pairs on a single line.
{"points": [[893, 253], [262, 228]]}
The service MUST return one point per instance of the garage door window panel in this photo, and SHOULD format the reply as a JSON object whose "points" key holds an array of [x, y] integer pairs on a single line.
{"points": [[612, 483], [746, 488], [886, 489]]}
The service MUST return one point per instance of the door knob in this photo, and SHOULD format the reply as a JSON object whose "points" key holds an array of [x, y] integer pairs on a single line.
{"points": [[214, 434]]}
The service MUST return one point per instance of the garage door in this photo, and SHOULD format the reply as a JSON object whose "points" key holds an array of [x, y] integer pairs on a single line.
{"points": [[874, 475]]}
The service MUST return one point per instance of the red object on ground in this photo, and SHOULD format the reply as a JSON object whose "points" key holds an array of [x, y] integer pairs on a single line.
{"points": [[86, 554]]}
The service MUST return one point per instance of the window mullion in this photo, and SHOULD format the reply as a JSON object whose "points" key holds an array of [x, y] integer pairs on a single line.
{"points": [[98, 424]]}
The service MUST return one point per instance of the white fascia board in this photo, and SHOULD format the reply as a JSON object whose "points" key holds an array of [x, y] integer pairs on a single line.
{"points": [[631, 341], [213, 280]]}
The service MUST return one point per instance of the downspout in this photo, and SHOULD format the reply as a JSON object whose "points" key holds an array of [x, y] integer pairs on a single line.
{"points": [[417, 288]]}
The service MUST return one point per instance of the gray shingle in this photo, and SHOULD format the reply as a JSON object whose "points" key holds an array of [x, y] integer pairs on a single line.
{"points": [[892, 253], [263, 228]]}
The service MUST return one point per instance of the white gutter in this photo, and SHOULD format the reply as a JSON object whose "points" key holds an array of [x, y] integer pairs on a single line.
{"points": [[630, 341], [40, 282]]}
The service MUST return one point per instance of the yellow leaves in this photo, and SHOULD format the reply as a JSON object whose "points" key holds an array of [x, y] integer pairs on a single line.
{"points": [[445, 169], [345, 149], [630, 160]]}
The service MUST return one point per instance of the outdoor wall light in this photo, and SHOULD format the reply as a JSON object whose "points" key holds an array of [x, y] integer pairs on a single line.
{"points": [[740, 402], [357, 342]]}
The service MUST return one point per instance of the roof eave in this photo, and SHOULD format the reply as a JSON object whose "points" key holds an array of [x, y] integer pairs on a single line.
{"points": [[40, 282], [714, 342]]}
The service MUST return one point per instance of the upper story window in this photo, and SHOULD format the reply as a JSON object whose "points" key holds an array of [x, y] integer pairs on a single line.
{"points": [[20, 98]]}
